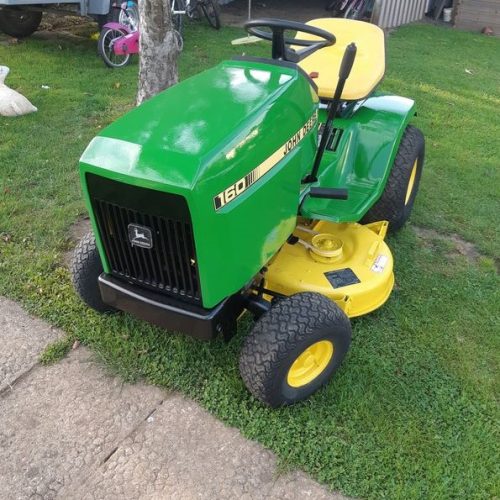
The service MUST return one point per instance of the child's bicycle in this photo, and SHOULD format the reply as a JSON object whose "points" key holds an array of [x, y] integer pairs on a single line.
{"points": [[119, 40]]}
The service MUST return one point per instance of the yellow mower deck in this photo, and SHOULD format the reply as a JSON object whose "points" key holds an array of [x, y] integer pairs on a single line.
{"points": [[349, 263]]}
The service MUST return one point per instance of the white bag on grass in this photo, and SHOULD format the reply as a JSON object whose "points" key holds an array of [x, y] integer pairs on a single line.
{"points": [[12, 103]]}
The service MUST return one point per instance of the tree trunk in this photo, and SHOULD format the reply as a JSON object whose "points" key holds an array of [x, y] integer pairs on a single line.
{"points": [[159, 48]]}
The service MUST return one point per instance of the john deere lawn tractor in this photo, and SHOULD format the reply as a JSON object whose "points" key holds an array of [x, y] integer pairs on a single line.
{"points": [[260, 185]]}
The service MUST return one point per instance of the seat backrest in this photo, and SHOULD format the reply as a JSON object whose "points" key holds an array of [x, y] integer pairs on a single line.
{"points": [[369, 65]]}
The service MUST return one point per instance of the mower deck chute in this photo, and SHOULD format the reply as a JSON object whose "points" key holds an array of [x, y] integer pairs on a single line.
{"points": [[349, 263]]}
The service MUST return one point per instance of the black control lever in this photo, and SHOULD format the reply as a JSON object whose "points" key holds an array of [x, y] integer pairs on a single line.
{"points": [[329, 193], [344, 72]]}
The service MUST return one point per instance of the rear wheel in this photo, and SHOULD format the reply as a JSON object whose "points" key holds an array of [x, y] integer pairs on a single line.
{"points": [[294, 348], [210, 9], [85, 271], [105, 47], [18, 22], [396, 203]]}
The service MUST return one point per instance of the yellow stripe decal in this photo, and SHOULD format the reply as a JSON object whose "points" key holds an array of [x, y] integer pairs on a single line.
{"points": [[239, 187]]}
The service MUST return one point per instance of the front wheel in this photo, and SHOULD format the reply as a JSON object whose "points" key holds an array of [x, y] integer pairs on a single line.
{"points": [[210, 9], [396, 203], [85, 271], [18, 22], [105, 47], [294, 348]]}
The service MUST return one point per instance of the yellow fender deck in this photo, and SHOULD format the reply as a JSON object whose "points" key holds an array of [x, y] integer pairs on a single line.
{"points": [[357, 274]]}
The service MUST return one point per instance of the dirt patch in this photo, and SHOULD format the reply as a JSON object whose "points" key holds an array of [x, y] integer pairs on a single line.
{"points": [[461, 246], [79, 229], [7, 40], [72, 24], [76, 232], [74, 28]]}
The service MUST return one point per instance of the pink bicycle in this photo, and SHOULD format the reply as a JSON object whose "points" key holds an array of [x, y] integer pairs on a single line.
{"points": [[119, 40]]}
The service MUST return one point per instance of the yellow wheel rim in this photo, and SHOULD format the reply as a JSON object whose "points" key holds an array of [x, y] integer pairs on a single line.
{"points": [[310, 364], [411, 182]]}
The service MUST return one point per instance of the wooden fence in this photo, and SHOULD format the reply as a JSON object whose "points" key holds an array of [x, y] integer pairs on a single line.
{"points": [[474, 15]]}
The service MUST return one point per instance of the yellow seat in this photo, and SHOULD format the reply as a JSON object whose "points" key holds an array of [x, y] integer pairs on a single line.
{"points": [[369, 65]]}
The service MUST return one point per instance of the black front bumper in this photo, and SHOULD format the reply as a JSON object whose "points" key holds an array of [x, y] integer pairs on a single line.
{"points": [[170, 313]]}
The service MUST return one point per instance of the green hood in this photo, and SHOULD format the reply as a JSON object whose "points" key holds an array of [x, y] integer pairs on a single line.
{"points": [[232, 141]]}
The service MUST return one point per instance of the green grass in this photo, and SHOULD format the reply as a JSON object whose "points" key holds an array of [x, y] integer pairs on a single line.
{"points": [[413, 411], [57, 350]]}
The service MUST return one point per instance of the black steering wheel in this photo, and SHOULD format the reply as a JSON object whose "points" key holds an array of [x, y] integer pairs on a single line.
{"points": [[280, 49]]}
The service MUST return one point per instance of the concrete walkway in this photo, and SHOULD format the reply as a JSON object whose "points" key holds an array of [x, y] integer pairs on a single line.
{"points": [[72, 431]]}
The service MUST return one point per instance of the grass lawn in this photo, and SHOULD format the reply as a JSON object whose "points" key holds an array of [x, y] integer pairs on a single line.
{"points": [[413, 411]]}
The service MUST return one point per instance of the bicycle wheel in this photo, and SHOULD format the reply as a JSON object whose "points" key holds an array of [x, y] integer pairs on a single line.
{"points": [[356, 10], [105, 47], [178, 6], [210, 9], [334, 7], [192, 9]]}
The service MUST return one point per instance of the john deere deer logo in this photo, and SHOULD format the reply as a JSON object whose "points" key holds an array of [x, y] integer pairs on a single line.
{"points": [[140, 236]]}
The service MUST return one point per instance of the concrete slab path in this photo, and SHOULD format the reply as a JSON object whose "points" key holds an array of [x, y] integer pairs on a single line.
{"points": [[71, 430]]}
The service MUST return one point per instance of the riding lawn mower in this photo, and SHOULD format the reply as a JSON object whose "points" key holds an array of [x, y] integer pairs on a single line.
{"points": [[262, 185]]}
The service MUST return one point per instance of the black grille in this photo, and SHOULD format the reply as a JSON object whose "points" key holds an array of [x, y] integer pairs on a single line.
{"points": [[170, 265]]}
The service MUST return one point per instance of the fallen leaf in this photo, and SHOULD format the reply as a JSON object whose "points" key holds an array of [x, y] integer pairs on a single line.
{"points": [[117, 85]]}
